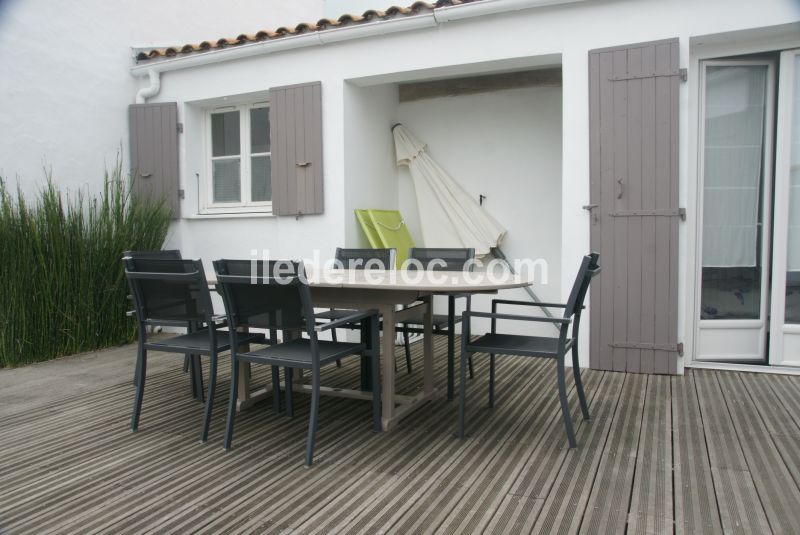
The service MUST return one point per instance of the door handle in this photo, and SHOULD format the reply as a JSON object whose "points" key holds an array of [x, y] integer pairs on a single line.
{"points": [[145, 175], [621, 187], [302, 164]]}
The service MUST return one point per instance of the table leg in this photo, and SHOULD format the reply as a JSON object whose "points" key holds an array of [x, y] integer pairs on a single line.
{"points": [[451, 335], [387, 365], [427, 347]]}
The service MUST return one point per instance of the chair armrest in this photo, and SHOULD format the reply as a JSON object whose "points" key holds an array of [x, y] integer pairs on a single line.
{"points": [[352, 318], [528, 303], [516, 317]]}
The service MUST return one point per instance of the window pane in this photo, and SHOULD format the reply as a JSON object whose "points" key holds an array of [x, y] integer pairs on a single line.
{"points": [[793, 260], [261, 180], [225, 133], [259, 130], [735, 107], [227, 181]]}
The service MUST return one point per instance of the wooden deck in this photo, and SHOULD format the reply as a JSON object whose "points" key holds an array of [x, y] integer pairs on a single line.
{"points": [[709, 452]]}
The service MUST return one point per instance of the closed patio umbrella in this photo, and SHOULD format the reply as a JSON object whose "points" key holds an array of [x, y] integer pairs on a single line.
{"points": [[449, 216]]}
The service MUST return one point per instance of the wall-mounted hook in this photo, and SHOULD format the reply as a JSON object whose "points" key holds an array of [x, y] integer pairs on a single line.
{"points": [[480, 199]]}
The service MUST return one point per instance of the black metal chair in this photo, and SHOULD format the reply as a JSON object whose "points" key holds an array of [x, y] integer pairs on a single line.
{"points": [[534, 346], [439, 259], [283, 302], [174, 293], [191, 363], [359, 259]]}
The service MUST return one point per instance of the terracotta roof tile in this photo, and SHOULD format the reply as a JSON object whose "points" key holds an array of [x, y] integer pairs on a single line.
{"points": [[304, 27]]}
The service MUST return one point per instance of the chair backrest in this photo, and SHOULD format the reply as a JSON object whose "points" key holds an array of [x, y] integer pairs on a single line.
{"points": [[441, 259], [168, 290], [265, 295], [589, 268], [365, 258], [167, 254]]}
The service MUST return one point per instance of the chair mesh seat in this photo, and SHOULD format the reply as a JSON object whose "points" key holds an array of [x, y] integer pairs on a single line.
{"points": [[516, 344], [198, 341], [439, 320], [299, 352]]}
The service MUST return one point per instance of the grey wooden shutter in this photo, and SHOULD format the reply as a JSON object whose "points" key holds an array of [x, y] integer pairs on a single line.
{"points": [[154, 152], [295, 115], [633, 106]]}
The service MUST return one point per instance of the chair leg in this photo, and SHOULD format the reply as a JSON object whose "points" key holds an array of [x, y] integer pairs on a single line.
{"points": [[562, 396], [289, 372], [212, 385], [312, 423], [333, 337], [197, 376], [375, 352], [185, 363], [471, 370], [491, 379], [462, 394], [276, 389], [232, 403], [407, 344], [576, 372], [141, 372]]}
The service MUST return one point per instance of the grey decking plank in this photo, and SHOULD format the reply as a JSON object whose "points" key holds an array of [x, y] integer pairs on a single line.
{"points": [[566, 501], [739, 504], [695, 503], [607, 508], [651, 509], [475, 503], [773, 480]]}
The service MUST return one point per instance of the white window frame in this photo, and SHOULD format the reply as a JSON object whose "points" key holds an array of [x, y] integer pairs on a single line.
{"points": [[246, 204]]}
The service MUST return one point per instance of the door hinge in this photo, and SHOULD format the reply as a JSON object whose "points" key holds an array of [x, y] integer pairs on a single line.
{"points": [[682, 213], [684, 74], [180, 128], [181, 194], [680, 349]]}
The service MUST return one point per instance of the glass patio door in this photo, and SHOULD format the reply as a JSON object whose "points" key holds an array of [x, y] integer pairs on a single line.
{"points": [[785, 309], [736, 133]]}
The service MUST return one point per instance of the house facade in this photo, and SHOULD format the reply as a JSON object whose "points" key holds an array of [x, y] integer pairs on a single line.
{"points": [[661, 134]]}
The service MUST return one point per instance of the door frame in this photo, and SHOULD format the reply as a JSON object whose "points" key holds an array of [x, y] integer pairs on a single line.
{"points": [[783, 138], [766, 206]]}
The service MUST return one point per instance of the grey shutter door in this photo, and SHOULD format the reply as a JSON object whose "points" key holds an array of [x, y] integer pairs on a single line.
{"points": [[633, 106], [154, 152], [295, 115]]}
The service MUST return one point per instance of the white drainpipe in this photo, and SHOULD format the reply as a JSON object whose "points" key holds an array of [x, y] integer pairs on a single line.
{"points": [[441, 15], [150, 90]]}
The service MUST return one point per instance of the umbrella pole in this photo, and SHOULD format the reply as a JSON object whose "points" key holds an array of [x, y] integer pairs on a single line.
{"points": [[500, 255]]}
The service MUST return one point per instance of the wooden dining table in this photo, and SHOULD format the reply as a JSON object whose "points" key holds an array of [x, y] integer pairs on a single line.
{"points": [[385, 291]]}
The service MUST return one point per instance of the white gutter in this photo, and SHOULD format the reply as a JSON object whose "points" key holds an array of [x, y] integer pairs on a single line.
{"points": [[153, 68]]}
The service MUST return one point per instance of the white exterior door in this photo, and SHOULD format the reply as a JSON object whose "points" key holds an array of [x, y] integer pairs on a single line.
{"points": [[785, 308], [735, 157]]}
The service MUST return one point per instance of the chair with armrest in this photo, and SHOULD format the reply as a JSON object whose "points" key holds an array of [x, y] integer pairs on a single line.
{"points": [[439, 259], [174, 293], [283, 302], [497, 344]]}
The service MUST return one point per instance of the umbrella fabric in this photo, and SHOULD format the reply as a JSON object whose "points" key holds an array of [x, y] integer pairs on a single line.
{"points": [[449, 216]]}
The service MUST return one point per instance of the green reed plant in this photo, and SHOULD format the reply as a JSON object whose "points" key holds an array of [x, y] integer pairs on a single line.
{"points": [[62, 283]]}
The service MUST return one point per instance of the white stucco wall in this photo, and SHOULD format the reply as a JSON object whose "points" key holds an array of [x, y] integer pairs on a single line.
{"points": [[64, 74]]}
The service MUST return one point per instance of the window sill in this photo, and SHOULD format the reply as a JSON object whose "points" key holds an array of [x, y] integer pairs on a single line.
{"points": [[230, 215]]}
